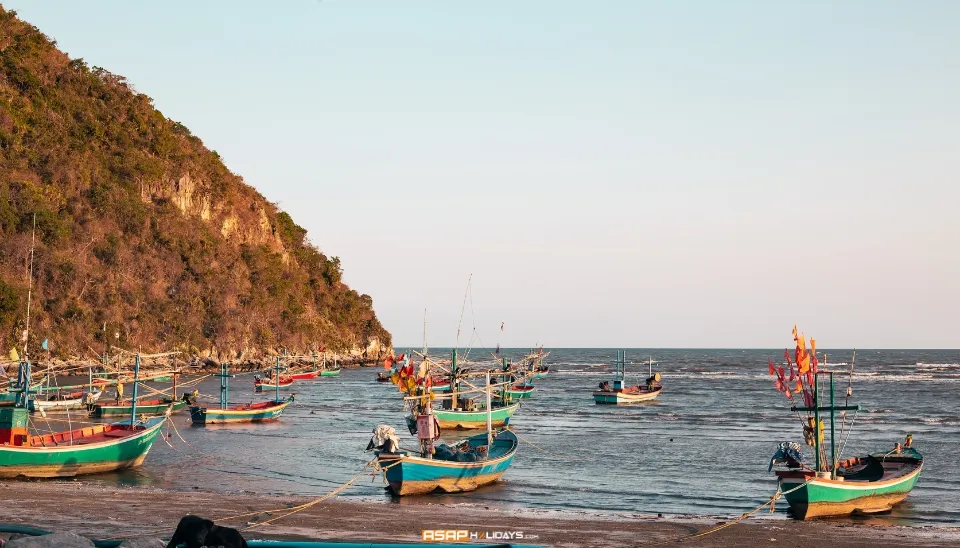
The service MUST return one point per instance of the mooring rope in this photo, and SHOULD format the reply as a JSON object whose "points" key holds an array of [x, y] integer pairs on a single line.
{"points": [[771, 503], [528, 442]]}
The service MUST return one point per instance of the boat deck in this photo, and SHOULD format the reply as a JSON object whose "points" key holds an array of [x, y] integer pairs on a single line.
{"points": [[81, 436]]}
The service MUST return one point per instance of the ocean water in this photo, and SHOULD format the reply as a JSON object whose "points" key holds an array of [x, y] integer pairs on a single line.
{"points": [[701, 449]]}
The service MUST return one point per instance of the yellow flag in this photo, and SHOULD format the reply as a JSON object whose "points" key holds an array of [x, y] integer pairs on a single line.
{"points": [[13, 355]]}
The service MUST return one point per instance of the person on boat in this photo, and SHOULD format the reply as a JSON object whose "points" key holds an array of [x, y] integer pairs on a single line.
{"points": [[653, 381], [119, 392]]}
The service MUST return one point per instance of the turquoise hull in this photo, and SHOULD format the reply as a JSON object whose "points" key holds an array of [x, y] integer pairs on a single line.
{"points": [[409, 475]]}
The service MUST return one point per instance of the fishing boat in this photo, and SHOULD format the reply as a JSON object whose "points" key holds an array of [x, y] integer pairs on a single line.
{"points": [[533, 364], [620, 394], [330, 372], [474, 418], [86, 450], [464, 466], [829, 486], [9, 396], [61, 402], [305, 375], [518, 391], [269, 384], [440, 384], [229, 414], [157, 406]]}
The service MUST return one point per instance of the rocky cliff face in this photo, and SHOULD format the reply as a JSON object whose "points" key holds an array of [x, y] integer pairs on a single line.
{"points": [[144, 237]]}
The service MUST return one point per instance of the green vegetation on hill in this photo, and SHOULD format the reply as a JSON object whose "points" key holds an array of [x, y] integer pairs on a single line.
{"points": [[141, 227]]}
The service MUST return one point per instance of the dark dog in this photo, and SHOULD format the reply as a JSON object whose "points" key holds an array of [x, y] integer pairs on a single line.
{"points": [[196, 532]]}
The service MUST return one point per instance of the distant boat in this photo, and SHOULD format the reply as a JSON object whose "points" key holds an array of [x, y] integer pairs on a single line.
{"points": [[519, 391], [305, 376], [621, 394], [156, 406], [269, 384], [833, 487], [229, 414]]}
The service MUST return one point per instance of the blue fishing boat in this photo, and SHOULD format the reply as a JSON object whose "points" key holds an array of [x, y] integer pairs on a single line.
{"points": [[464, 466]]}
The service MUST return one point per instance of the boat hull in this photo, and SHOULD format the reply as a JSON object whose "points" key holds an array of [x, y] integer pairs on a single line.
{"points": [[330, 373], [74, 460], [612, 397], [520, 393], [825, 497], [309, 375], [539, 375], [212, 415], [124, 409], [473, 420], [408, 475]]}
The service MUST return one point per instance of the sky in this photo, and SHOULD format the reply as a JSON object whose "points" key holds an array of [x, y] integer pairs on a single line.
{"points": [[605, 174]]}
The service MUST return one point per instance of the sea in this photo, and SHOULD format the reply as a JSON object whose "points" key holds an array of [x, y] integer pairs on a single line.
{"points": [[701, 449]]}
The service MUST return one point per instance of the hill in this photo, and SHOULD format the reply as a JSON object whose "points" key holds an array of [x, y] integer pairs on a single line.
{"points": [[142, 228]]}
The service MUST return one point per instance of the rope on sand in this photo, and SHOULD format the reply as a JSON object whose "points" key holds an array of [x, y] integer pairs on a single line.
{"points": [[770, 503]]}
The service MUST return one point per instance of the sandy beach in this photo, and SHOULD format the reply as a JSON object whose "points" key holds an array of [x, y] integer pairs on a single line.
{"points": [[109, 512]]}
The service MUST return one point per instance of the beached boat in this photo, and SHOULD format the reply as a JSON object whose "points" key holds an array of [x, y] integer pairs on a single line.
{"points": [[415, 475], [229, 414], [621, 394], [832, 487], [86, 450], [464, 466]]}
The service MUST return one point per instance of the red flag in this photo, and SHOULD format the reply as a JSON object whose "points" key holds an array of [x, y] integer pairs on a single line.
{"points": [[772, 370]]}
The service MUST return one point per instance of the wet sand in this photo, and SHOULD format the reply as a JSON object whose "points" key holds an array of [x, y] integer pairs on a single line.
{"points": [[111, 512]]}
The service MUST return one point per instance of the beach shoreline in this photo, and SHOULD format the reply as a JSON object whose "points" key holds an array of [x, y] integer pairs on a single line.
{"points": [[98, 511]]}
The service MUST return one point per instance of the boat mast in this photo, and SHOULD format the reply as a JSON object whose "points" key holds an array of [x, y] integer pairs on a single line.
{"points": [[26, 332], [833, 426], [276, 383], [136, 382], [489, 417]]}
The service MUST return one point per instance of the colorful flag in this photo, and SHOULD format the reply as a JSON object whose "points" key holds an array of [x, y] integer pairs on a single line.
{"points": [[45, 344], [14, 356], [772, 370]]}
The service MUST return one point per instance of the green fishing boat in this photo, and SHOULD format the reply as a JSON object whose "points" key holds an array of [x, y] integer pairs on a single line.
{"points": [[87, 450], [144, 407], [868, 484], [330, 372], [474, 419]]}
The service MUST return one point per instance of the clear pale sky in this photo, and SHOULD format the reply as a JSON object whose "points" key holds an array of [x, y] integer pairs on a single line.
{"points": [[635, 174]]}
